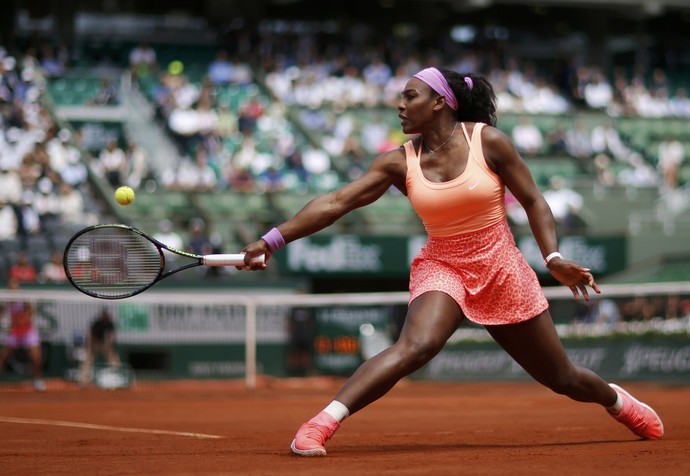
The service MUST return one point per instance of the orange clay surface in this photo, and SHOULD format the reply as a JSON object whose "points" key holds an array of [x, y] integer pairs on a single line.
{"points": [[219, 427]]}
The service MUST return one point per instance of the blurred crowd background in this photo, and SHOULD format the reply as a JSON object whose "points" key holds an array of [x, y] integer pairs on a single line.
{"points": [[226, 117]]}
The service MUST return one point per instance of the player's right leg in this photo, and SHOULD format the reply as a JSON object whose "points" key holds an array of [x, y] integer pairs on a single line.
{"points": [[36, 357], [431, 319], [4, 355], [535, 345]]}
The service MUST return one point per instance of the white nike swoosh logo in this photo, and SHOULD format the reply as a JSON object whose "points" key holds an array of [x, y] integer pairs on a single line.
{"points": [[472, 187]]}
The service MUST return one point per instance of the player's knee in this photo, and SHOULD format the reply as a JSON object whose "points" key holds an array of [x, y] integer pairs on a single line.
{"points": [[419, 352], [563, 383]]}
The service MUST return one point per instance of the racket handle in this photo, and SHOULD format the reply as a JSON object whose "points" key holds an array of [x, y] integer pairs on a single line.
{"points": [[236, 259]]}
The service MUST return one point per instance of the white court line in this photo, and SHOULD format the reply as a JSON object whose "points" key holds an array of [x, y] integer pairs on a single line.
{"points": [[71, 424]]}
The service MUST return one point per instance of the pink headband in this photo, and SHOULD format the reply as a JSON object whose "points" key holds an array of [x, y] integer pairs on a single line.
{"points": [[435, 80]]}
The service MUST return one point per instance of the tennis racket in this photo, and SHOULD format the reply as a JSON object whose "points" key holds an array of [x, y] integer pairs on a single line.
{"points": [[116, 261]]}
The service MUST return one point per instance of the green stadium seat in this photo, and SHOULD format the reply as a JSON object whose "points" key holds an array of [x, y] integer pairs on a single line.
{"points": [[157, 205], [391, 214], [235, 207]]}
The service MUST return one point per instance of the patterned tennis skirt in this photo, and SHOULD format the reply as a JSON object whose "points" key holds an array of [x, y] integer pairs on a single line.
{"points": [[484, 272]]}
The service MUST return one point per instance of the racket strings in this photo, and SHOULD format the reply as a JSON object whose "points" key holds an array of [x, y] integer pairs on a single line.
{"points": [[112, 262]]}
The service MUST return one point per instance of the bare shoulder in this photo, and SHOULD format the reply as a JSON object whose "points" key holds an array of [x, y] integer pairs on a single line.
{"points": [[492, 136], [393, 155], [393, 164], [498, 147], [391, 161]]}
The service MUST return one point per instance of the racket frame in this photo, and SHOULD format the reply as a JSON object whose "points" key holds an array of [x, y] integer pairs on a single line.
{"points": [[201, 260]]}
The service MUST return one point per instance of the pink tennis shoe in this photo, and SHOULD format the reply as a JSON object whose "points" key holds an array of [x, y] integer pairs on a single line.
{"points": [[638, 417], [312, 435]]}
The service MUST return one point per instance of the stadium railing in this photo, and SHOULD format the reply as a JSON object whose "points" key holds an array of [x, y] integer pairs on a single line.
{"points": [[252, 333]]}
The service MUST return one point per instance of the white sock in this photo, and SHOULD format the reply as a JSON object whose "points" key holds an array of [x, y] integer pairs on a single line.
{"points": [[616, 407], [337, 410]]}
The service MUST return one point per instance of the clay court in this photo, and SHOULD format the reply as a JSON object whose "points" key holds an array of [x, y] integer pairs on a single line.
{"points": [[217, 427]]}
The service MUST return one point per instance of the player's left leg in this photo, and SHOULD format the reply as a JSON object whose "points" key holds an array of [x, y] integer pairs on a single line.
{"points": [[111, 355], [431, 320], [536, 346], [5, 353], [36, 367]]}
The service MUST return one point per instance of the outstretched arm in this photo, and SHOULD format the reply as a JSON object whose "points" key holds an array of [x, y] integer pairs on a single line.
{"points": [[515, 174], [386, 170]]}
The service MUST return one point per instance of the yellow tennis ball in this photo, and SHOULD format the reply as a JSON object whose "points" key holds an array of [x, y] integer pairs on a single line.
{"points": [[176, 67], [124, 195]]}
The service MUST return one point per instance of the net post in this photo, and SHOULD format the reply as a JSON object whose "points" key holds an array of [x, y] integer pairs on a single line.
{"points": [[250, 344]]}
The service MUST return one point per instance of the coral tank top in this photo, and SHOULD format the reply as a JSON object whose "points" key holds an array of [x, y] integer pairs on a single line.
{"points": [[470, 202]]}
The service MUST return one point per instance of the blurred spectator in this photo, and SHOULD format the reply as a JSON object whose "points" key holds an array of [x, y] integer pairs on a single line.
{"points": [[639, 174], [75, 172], [22, 334], [65, 159], [356, 155], [31, 168], [377, 73], [184, 93], [671, 156], [53, 271], [168, 236], [184, 125], [602, 311], [302, 332], [679, 104], [316, 161], [673, 307], [196, 175], [392, 88], [46, 203], [11, 187], [71, 205], [544, 99], [112, 163], [565, 204], [28, 222], [100, 340], [602, 169], [516, 214], [556, 140], [221, 70], [577, 141], [207, 118], [22, 271], [143, 60], [295, 176], [30, 65], [137, 168], [527, 137], [59, 150], [227, 122], [239, 179], [640, 308], [271, 180], [659, 81], [606, 139], [107, 94], [242, 73], [51, 65], [199, 242], [249, 115], [244, 157], [375, 134], [598, 92], [8, 221]]}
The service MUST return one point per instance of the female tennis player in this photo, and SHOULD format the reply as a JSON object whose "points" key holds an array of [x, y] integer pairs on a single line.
{"points": [[454, 172]]}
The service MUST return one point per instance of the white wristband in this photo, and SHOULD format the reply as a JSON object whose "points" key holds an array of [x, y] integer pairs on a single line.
{"points": [[553, 255]]}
